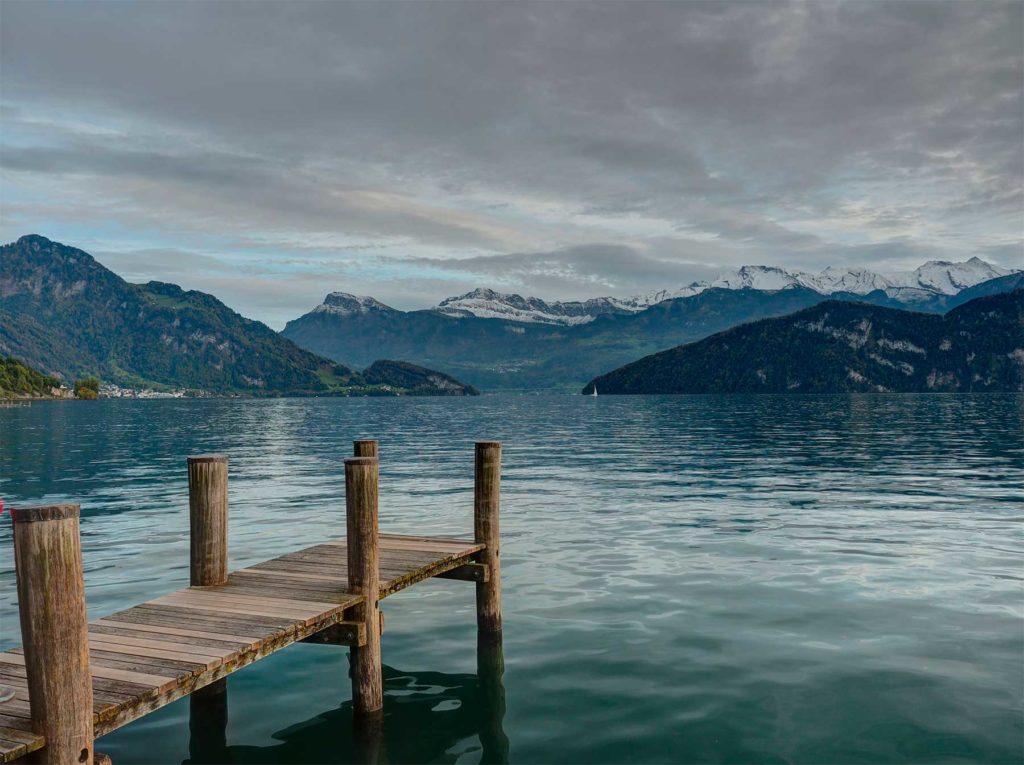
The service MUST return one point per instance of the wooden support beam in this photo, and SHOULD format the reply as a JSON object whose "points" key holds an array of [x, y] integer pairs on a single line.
{"points": [[208, 513], [342, 633], [468, 572], [361, 490], [51, 602], [486, 506]]}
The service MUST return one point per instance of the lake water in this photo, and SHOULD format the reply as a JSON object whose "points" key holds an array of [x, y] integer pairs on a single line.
{"points": [[819, 579]]}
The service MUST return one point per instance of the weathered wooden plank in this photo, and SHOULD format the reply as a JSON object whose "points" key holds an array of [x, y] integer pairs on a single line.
{"points": [[221, 644], [196, 601], [296, 591], [418, 575], [178, 616], [218, 638], [13, 705], [164, 643], [145, 648], [288, 575], [17, 741], [226, 594], [115, 666], [100, 698], [9, 676]]}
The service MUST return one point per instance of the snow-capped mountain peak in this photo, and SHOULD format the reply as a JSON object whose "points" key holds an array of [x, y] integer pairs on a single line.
{"points": [[758, 278], [934, 277], [345, 304], [488, 304], [949, 278]]}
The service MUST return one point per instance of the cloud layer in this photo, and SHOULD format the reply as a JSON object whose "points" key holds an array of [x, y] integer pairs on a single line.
{"points": [[270, 152]]}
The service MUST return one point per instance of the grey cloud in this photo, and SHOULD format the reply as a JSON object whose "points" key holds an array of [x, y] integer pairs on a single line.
{"points": [[671, 137], [575, 272]]}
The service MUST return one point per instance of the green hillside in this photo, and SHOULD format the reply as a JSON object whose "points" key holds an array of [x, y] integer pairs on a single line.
{"points": [[66, 314], [839, 347], [17, 379]]}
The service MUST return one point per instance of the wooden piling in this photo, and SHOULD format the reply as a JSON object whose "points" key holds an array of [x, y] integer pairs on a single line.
{"points": [[486, 506], [366, 447], [361, 485], [490, 670], [208, 724], [208, 509], [51, 602]]}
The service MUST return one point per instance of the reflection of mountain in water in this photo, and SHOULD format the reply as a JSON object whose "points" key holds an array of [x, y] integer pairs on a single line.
{"points": [[428, 717]]}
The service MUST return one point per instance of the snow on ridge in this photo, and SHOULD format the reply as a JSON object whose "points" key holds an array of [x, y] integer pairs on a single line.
{"points": [[931, 278], [488, 304], [934, 277], [346, 304]]}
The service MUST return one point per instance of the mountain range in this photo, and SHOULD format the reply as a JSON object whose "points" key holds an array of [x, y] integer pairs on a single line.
{"points": [[842, 347], [934, 278], [497, 341], [66, 315]]}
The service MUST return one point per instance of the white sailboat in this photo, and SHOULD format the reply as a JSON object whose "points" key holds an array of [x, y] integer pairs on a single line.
{"points": [[594, 392]]}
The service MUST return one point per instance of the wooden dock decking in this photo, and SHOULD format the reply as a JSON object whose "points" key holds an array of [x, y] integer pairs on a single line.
{"points": [[152, 654]]}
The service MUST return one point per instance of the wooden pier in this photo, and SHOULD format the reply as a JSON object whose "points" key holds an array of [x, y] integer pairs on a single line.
{"points": [[76, 680]]}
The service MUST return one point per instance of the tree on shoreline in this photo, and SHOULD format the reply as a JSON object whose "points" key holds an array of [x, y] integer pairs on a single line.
{"points": [[87, 389]]}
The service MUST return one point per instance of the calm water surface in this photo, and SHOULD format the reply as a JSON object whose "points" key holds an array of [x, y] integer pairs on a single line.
{"points": [[686, 579]]}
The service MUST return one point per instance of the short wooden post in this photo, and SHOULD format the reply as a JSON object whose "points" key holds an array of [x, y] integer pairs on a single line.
{"points": [[366, 447], [361, 483], [208, 512], [51, 601], [486, 504]]}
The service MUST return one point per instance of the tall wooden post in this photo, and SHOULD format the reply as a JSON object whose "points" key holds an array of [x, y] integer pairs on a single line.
{"points": [[208, 513], [486, 504], [361, 483], [366, 447], [51, 601]]}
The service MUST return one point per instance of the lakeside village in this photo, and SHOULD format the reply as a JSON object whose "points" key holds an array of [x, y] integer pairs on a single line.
{"points": [[21, 384], [108, 391]]}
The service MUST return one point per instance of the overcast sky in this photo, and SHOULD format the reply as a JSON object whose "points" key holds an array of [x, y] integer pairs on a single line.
{"points": [[269, 153]]}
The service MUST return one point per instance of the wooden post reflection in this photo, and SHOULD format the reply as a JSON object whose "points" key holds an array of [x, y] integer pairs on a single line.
{"points": [[208, 724], [490, 668], [368, 743]]}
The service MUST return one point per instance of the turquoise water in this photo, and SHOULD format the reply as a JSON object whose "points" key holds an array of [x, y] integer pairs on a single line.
{"points": [[686, 579]]}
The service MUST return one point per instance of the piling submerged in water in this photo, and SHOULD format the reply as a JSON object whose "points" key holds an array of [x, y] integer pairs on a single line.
{"points": [[77, 680]]}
